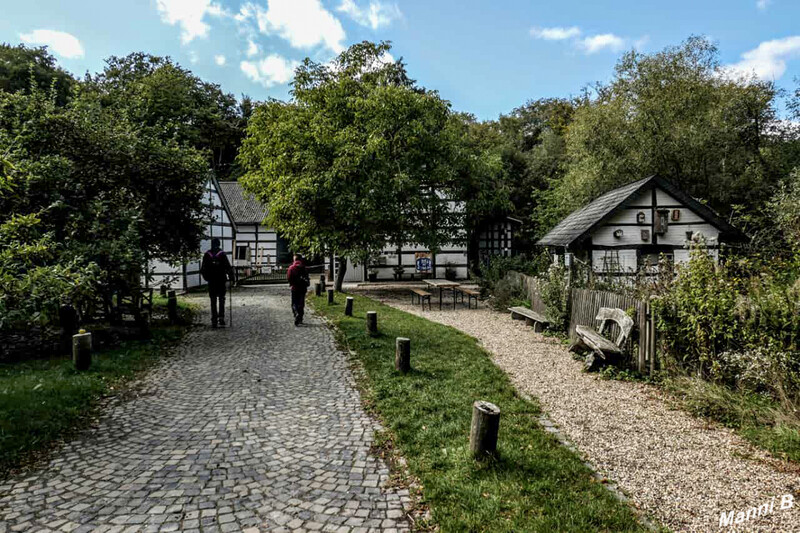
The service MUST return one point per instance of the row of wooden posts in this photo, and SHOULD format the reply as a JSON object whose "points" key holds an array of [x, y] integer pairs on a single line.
{"points": [[485, 424]]}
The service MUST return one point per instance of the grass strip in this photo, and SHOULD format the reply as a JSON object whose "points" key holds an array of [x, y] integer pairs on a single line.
{"points": [[44, 400], [534, 485]]}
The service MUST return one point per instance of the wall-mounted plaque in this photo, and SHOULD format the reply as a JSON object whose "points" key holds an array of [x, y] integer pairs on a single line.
{"points": [[646, 235], [676, 215]]}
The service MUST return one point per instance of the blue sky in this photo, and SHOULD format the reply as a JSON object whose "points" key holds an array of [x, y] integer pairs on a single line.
{"points": [[486, 57]]}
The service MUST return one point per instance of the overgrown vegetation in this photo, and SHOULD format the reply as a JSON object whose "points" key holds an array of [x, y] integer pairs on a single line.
{"points": [[535, 485]]}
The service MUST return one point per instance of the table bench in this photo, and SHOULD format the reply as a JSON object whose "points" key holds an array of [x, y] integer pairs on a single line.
{"points": [[423, 296], [471, 293], [532, 318], [602, 349]]}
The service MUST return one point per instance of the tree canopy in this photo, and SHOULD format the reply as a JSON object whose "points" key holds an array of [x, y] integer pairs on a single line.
{"points": [[360, 157], [21, 66]]}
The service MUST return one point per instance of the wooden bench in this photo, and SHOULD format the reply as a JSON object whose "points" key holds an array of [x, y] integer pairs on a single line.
{"points": [[532, 318], [601, 349], [423, 296], [471, 293]]}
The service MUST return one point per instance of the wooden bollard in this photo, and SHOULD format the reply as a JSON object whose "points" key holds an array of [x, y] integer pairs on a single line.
{"points": [[402, 355], [372, 322], [82, 351], [330, 296], [164, 291], [172, 307], [484, 428], [318, 289], [348, 306], [322, 281]]}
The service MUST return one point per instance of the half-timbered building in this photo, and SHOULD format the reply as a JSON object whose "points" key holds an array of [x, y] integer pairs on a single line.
{"points": [[635, 227]]}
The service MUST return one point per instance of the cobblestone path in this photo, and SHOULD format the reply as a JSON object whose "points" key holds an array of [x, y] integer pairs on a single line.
{"points": [[257, 427]]}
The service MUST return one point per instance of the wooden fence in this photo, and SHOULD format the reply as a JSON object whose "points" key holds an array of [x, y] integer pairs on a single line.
{"points": [[583, 307]]}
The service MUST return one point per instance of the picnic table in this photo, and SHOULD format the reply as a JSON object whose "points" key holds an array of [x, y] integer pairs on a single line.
{"points": [[443, 285]]}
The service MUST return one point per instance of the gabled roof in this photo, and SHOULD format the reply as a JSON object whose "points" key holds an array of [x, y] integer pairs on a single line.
{"points": [[579, 225], [243, 206]]}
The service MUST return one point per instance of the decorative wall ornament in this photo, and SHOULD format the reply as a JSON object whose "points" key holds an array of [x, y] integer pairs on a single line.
{"points": [[618, 234], [640, 217], [646, 235], [676, 215]]}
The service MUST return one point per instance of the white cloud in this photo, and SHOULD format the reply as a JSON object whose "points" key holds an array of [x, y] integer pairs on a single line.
{"points": [[762, 4], [303, 23], [376, 15], [596, 43], [270, 71], [61, 43], [556, 33], [252, 48], [219, 60], [768, 60], [189, 15]]}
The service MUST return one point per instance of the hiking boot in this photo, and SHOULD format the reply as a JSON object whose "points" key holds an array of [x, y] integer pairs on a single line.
{"points": [[298, 320], [222, 322], [214, 325]]}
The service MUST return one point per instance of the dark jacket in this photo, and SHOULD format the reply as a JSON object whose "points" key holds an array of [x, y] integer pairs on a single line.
{"points": [[216, 268], [297, 275]]}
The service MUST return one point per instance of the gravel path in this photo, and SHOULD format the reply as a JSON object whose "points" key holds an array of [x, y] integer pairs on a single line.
{"points": [[682, 470], [258, 427]]}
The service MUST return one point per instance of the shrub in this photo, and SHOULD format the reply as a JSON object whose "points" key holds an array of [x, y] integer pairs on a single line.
{"points": [[555, 296]]}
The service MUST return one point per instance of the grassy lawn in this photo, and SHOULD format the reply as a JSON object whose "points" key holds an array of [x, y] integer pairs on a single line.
{"points": [[43, 400], [535, 484]]}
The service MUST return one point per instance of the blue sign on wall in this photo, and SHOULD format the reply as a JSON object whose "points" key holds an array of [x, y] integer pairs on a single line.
{"points": [[424, 264]]}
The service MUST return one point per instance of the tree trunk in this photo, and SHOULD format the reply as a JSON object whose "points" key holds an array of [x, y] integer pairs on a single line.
{"points": [[340, 271]]}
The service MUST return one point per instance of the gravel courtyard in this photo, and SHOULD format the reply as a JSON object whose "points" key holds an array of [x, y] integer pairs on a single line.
{"points": [[257, 427], [675, 467]]}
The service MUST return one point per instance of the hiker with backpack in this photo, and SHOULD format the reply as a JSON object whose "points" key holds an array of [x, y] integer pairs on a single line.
{"points": [[216, 270], [297, 275]]}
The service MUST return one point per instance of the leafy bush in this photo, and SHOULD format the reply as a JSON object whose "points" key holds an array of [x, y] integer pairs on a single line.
{"points": [[555, 296], [33, 283], [497, 268]]}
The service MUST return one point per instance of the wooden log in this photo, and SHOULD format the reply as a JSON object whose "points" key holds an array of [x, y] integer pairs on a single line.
{"points": [[372, 322], [330, 296], [82, 351], [348, 306], [172, 307], [484, 429], [402, 355], [318, 289]]}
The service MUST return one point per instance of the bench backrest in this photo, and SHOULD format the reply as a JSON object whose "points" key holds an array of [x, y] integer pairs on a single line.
{"points": [[618, 316]]}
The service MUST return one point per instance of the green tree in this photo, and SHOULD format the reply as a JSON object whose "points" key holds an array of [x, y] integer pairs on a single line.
{"points": [[675, 113], [360, 157], [156, 93], [20, 66], [101, 187]]}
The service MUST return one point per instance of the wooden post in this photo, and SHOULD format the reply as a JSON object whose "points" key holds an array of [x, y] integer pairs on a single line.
{"points": [[322, 281], [372, 322], [68, 318], [172, 307], [402, 355], [484, 429], [82, 350], [348, 306], [652, 338], [318, 289], [163, 291], [330, 296]]}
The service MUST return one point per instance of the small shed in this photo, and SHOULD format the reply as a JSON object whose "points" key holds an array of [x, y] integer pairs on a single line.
{"points": [[631, 228]]}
